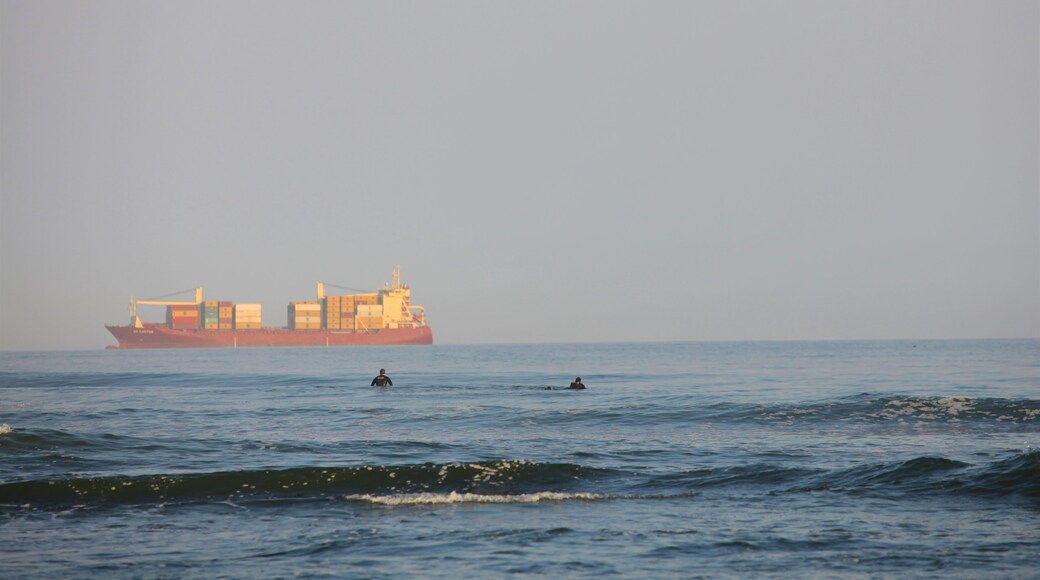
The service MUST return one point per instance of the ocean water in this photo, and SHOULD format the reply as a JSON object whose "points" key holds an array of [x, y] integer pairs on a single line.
{"points": [[758, 459]]}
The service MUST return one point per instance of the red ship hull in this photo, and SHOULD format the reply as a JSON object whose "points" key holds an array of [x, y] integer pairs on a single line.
{"points": [[162, 336]]}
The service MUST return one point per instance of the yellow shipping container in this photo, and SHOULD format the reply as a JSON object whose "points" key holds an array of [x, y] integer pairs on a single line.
{"points": [[370, 310], [211, 304], [368, 322], [366, 299]]}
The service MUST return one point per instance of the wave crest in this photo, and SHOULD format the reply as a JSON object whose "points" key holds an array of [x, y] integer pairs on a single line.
{"points": [[456, 498], [524, 481], [485, 477]]}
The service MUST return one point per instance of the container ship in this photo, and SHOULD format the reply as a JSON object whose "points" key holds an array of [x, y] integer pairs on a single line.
{"points": [[385, 317]]}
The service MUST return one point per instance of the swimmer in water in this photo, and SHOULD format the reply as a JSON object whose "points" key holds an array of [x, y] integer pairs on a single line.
{"points": [[577, 384], [382, 380]]}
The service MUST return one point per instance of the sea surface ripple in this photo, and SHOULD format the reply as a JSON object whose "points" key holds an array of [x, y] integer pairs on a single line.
{"points": [[743, 459]]}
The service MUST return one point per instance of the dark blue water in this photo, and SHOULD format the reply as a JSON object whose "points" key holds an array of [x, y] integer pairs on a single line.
{"points": [[779, 459]]}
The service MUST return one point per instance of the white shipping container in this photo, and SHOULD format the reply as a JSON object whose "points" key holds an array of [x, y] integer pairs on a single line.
{"points": [[370, 310]]}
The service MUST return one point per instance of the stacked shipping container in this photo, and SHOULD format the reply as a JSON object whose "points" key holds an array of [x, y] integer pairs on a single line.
{"points": [[365, 317], [247, 316], [304, 315], [210, 315], [182, 316], [331, 314], [369, 317], [217, 315], [339, 312], [344, 312], [225, 321], [350, 312]]}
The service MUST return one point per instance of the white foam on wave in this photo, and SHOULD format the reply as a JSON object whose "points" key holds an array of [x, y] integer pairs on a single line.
{"points": [[456, 498], [949, 407], [5, 429], [954, 405]]}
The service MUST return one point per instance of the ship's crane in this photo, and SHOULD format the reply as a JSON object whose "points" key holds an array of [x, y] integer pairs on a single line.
{"points": [[135, 320], [322, 285]]}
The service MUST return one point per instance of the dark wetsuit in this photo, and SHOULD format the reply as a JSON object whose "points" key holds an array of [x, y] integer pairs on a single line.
{"points": [[382, 381], [576, 386]]}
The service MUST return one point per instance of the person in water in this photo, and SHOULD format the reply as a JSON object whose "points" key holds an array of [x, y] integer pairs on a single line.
{"points": [[577, 384], [384, 381]]}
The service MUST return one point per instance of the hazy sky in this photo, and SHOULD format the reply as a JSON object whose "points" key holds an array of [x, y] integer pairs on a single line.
{"points": [[541, 170]]}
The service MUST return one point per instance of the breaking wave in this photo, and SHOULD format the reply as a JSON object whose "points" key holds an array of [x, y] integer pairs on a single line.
{"points": [[523, 481], [488, 478], [456, 497]]}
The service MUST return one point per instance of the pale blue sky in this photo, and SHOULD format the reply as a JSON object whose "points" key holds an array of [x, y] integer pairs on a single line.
{"points": [[542, 171]]}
